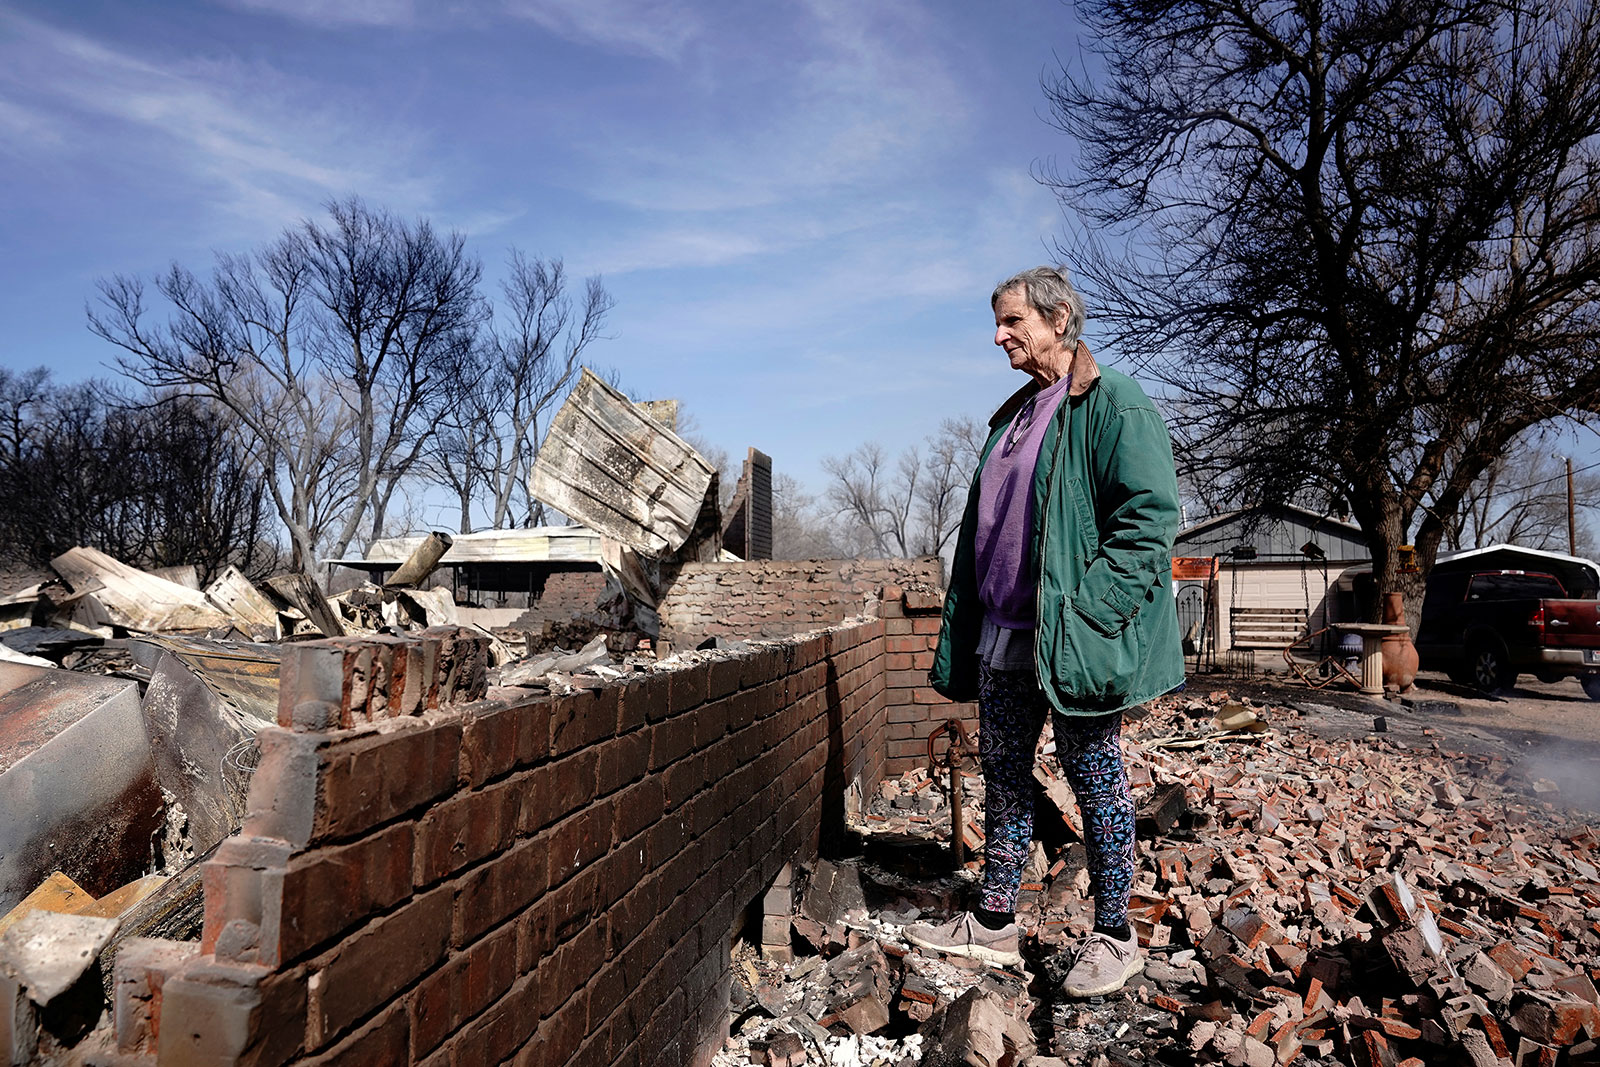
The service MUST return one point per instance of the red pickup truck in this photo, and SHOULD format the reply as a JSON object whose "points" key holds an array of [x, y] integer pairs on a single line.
{"points": [[1484, 628]]}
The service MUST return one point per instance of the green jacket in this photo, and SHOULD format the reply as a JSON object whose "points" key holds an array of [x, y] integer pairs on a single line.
{"points": [[1105, 512]]}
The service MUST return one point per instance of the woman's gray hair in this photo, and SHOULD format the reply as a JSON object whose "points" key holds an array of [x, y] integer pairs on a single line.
{"points": [[1047, 288]]}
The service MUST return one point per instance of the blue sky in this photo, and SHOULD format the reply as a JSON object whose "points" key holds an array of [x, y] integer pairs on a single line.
{"points": [[800, 207]]}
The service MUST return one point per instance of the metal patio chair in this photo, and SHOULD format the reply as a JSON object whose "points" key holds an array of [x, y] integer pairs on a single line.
{"points": [[1314, 666]]}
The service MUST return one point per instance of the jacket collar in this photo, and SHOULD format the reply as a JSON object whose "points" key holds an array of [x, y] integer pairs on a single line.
{"points": [[1085, 372]]}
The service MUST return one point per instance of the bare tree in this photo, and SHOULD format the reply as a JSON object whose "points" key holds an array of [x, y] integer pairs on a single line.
{"points": [[153, 481], [467, 430], [911, 505], [490, 429], [948, 463], [869, 500], [688, 428], [800, 530], [22, 396], [536, 355], [1522, 499], [1362, 239], [330, 347]]}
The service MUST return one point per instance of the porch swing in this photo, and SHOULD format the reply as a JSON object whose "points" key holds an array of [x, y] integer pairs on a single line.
{"points": [[1308, 655]]}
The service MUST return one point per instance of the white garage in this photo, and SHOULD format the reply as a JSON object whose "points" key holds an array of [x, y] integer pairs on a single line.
{"points": [[1273, 574]]}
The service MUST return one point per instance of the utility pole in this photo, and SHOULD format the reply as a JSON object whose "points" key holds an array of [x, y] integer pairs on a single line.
{"points": [[1572, 517]]}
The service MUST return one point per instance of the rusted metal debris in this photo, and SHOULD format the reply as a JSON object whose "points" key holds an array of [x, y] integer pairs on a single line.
{"points": [[421, 563], [78, 787], [129, 767], [303, 594], [202, 709]]}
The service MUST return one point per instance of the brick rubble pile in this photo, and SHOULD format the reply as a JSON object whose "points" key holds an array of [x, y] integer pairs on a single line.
{"points": [[1368, 901]]}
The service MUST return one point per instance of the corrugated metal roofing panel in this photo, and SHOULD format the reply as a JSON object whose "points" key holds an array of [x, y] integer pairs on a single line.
{"points": [[136, 599], [538, 544], [243, 674], [78, 790], [618, 472]]}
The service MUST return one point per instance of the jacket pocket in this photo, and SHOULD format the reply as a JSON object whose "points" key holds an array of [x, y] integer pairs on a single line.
{"points": [[1088, 663], [1084, 517]]}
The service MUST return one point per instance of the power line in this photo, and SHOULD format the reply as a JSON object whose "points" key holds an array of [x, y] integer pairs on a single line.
{"points": [[1558, 478]]}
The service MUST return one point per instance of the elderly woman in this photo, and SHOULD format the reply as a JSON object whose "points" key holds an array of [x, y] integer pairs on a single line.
{"points": [[1060, 602]]}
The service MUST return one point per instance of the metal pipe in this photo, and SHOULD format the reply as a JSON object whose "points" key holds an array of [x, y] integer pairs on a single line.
{"points": [[959, 746]]}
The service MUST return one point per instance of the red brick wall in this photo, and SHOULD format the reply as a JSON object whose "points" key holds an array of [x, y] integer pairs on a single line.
{"points": [[771, 598], [564, 594], [911, 630], [507, 879]]}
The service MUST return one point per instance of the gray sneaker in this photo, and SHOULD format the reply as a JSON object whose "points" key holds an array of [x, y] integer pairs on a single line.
{"points": [[966, 936], [1103, 965]]}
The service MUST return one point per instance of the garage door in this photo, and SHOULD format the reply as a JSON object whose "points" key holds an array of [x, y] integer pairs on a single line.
{"points": [[1267, 605]]}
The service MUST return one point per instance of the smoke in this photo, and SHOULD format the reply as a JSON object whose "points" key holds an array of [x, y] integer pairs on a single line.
{"points": [[1577, 777]]}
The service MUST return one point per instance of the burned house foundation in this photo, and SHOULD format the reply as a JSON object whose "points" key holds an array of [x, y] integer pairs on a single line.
{"points": [[557, 879], [440, 854], [431, 870], [665, 862]]}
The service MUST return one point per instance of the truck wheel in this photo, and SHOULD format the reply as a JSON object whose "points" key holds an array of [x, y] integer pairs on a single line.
{"points": [[1591, 685], [1490, 671], [1549, 677]]}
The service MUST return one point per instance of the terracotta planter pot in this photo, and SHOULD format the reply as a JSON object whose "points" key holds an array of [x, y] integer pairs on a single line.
{"points": [[1399, 654]]}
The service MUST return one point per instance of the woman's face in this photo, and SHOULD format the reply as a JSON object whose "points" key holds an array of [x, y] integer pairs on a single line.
{"points": [[1032, 342]]}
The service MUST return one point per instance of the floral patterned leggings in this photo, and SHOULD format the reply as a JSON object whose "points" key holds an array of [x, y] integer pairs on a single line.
{"points": [[1011, 712]]}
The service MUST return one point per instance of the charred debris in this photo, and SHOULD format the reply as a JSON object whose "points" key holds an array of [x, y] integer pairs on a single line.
{"points": [[130, 701]]}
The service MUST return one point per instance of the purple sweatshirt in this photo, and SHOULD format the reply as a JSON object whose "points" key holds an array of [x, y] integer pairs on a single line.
{"points": [[1005, 512]]}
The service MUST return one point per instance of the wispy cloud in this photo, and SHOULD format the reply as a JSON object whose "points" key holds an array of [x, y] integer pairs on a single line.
{"points": [[658, 28], [336, 13], [837, 296], [859, 97], [676, 247], [247, 137], [21, 126], [1014, 205]]}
